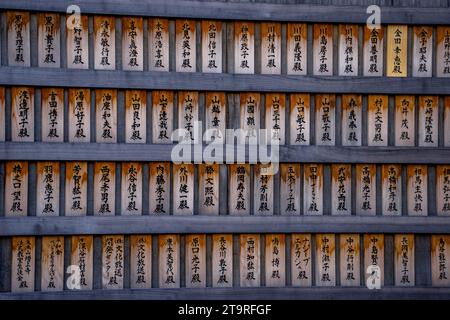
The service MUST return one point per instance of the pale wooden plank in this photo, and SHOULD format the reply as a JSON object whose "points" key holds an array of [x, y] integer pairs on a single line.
{"points": [[373, 52], [377, 120], [52, 114], [275, 118], [79, 115], [366, 189], [301, 274], [297, 39], [263, 190], [397, 50], [2, 114], [77, 33], [404, 260], [239, 189], [185, 44], [417, 190], [158, 44], [348, 49], [275, 257], [374, 259], [349, 260], [18, 29], [428, 121], [341, 193], [323, 49], [23, 264], [447, 121], [404, 121], [440, 262], [250, 105], [244, 47], [16, 188], [141, 261], [250, 260], [52, 264], [106, 116], [131, 188], [443, 190], [300, 120], [169, 261], [47, 189], [325, 119], [195, 261], [82, 257], [104, 188], [222, 260], [22, 114], [135, 116], [325, 260], [104, 43], [313, 189], [208, 186], [112, 261], [290, 189], [159, 188], [443, 51], [215, 116], [187, 114], [132, 44], [422, 51], [351, 120], [49, 44], [183, 190], [76, 188], [211, 46], [162, 116], [391, 176], [270, 48]]}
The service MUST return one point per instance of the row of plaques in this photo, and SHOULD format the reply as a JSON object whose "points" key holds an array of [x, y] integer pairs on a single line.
{"points": [[247, 185], [301, 110], [304, 250], [212, 35]]}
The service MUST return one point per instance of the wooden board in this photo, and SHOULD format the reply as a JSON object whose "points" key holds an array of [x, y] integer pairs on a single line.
{"points": [[104, 43], [313, 189], [263, 190], [404, 260], [159, 188], [373, 52], [49, 44], [443, 190], [22, 114], [301, 260], [132, 44], [428, 121], [195, 261], [106, 116], [447, 121], [104, 188], [112, 261], [422, 51], [417, 190], [16, 188], [141, 261], [215, 115], [79, 115], [187, 114], [158, 44], [250, 260], [300, 119], [297, 57], [275, 255], [2, 114], [162, 115], [443, 51], [290, 189], [391, 177], [185, 44], [374, 257], [348, 49], [131, 188], [377, 120], [275, 118], [208, 182], [52, 114], [18, 28], [440, 261], [23, 264], [77, 42], [222, 260], [323, 50], [211, 46], [52, 264], [366, 200], [397, 50], [270, 48], [404, 121], [351, 120], [47, 189], [169, 261], [349, 260], [250, 116], [325, 119], [341, 189], [183, 190], [325, 260], [135, 116], [76, 188], [244, 47], [239, 189], [82, 257]]}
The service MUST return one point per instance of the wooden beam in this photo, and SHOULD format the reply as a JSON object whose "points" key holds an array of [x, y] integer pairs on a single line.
{"points": [[24, 226], [237, 11], [118, 79]]}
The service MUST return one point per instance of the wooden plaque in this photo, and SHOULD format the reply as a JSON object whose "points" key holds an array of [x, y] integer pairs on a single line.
{"points": [[159, 188], [183, 189], [82, 257], [440, 261], [244, 47], [373, 52], [250, 260], [341, 188], [215, 116], [348, 49], [18, 38], [443, 190], [195, 261], [141, 261], [22, 114], [351, 120], [297, 39], [23, 264], [222, 260], [158, 44], [290, 189], [313, 189], [422, 51], [112, 261], [76, 188], [106, 116], [443, 51], [301, 262], [132, 44], [49, 44], [428, 121], [169, 261], [404, 260], [374, 257], [404, 121], [208, 181], [300, 120], [212, 46], [391, 179], [325, 260], [47, 189], [131, 188], [16, 188], [185, 46], [275, 260], [105, 43], [239, 189], [366, 189], [377, 121], [52, 264], [325, 119], [446, 121], [323, 50], [52, 112], [162, 113], [135, 116], [250, 116], [105, 188], [417, 190], [270, 48], [187, 114], [77, 33], [79, 115], [349, 260], [397, 50], [263, 191], [275, 118], [2, 114]]}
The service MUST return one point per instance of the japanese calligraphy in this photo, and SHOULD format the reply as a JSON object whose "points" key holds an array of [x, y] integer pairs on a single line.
{"points": [[325, 260], [300, 119], [79, 115], [348, 50], [48, 40], [323, 49], [392, 189], [16, 189], [212, 46], [104, 43], [158, 44], [297, 48], [244, 47], [185, 46], [373, 52]]}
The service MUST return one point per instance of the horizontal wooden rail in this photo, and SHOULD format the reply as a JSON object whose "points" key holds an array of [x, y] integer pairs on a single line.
{"points": [[261, 293], [23, 226], [236, 11], [118, 79], [41, 151]]}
